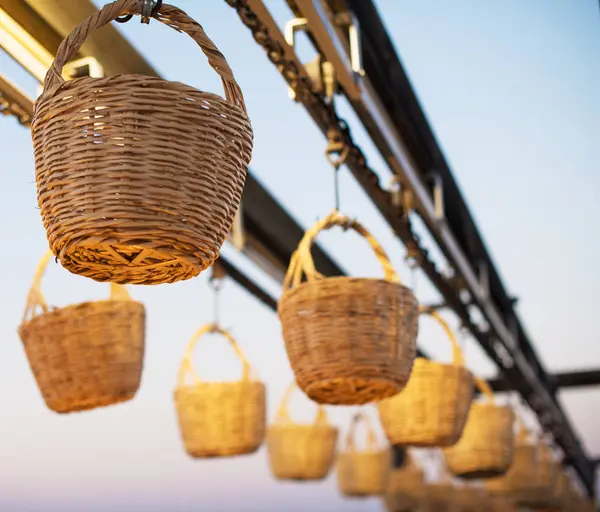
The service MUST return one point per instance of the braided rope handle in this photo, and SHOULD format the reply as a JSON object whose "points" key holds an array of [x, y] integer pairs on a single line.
{"points": [[35, 298], [457, 355], [186, 368], [283, 416], [371, 437], [303, 263], [169, 15]]}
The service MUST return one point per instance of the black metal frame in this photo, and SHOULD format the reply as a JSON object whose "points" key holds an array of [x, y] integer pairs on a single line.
{"points": [[387, 75]]}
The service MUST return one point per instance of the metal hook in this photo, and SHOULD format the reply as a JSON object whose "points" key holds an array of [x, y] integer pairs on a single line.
{"points": [[148, 9]]}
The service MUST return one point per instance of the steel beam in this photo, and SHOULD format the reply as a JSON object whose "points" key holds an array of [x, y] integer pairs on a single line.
{"points": [[502, 337], [578, 379]]}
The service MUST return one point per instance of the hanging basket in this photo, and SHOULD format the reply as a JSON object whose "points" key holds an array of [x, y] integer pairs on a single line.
{"points": [[432, 409], [300, 452], [350, 340], [486, 447], [471, 499], [138, 178], [86, 355], [543, 492], [405, 489], [530, 478], [219, 419], [363, 473]]}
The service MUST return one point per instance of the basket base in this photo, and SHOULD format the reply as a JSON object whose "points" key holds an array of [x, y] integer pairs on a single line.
{"points": [[223, 452], [481, 474], [87, 405], [350, 390], [129, 264]]}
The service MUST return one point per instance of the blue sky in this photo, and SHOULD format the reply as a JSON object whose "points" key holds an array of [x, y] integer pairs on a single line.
{"points": [[510, 88]]}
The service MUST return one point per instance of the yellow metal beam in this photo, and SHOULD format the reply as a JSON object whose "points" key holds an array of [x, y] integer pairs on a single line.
{"points": [[107, 45]]}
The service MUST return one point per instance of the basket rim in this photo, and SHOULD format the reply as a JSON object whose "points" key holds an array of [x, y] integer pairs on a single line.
{"points": [[77, 83], [61, 310], [302, 426], [318, 282], [430, 362], [214, 383]]}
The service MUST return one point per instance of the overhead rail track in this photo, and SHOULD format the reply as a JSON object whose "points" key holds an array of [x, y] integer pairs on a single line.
{"points": [[383, 99]]}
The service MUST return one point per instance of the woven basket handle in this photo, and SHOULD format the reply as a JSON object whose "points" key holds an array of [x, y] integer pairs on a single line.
{"points": [[283, 415], [187, 367], [484, 388], [371, 437], [35, 298], [457, 355], [302, 261], [169, 15]]}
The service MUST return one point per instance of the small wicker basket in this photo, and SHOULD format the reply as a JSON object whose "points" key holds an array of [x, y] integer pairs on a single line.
{"points": [[405, 489], [86, 355], [138, 178], [349, 340], [531, 477], [432, 409], [486, 447], [300, 452], [363, 473], [219, 419]]}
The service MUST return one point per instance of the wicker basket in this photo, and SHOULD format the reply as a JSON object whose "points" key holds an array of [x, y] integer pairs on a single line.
{"points": [[363, 473], [531, 477], [138, 178], [432, 409], [86, 355], [486, 447], [219, 419], [300, 452], [405, 489], [349, 340]]}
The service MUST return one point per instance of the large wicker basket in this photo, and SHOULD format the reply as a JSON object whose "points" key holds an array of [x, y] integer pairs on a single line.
{"points": [[349, 340], [219, 419], [86, 355], [432, 409], [363, 473], [138, 178], [405, 489], [486, 447], [297, 451]]}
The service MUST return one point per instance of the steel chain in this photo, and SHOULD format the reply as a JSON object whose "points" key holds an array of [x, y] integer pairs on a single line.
{"points": [[303, 88]]}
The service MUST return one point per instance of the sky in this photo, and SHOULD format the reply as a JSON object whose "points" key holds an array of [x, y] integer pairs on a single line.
{"points": [[510, 89]]}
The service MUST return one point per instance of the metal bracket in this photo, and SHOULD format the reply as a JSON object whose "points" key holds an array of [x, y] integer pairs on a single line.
{"points": [[438, 195], [347, 19]]}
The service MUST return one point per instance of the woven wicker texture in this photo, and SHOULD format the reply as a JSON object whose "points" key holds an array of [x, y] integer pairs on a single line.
{"points": [[349, 340], [86, 355], [432, 409], [405, 488], [138, 178], [219, 419], [486, 447], [363, 472], [297, 451]]}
